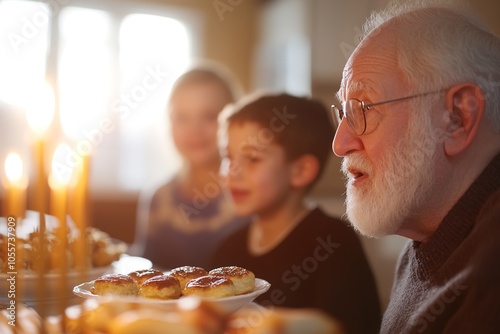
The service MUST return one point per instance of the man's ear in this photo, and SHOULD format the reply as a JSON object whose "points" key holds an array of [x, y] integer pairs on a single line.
{"points": [[465, 104], [305, 169]]}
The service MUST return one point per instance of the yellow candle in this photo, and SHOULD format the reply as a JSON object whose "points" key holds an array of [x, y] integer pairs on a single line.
{"points": [[40, 184], [58, 183], [80, 212], [39, 113], [15, 186]]}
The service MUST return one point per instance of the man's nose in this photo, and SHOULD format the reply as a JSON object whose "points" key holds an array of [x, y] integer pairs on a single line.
{"points": [[346, 140]]}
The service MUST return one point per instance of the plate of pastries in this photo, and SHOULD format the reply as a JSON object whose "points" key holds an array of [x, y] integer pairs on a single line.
{"points": [[229, 287]]}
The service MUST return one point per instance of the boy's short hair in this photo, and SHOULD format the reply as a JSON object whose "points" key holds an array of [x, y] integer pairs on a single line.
{"points": [[298, 124]]}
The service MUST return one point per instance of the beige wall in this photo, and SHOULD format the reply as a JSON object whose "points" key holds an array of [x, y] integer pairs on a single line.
{"points": [[489, 10], [231, 40]]}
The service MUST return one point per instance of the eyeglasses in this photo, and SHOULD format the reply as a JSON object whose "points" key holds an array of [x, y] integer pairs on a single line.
{"points": [[354, 111]]}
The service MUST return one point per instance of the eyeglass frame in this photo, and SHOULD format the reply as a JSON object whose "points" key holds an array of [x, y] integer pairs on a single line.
{"points": [[339, 114]]}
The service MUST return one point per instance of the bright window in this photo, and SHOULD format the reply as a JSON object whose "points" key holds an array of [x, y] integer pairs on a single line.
{"points": [[85, 69], [23, 47], [154, 51], [112, 67]]}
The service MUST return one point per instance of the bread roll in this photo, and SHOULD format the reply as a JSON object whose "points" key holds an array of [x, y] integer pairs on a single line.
{"points": [[161, 287], [210, 286], [115, 284], [243, 279], [142, 275], [186, 273]]}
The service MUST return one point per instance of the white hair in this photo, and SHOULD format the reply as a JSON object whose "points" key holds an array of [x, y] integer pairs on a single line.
{"points": [[439, 45]]}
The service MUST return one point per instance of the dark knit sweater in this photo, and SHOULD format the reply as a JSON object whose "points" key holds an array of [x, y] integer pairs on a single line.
{"points": [[320, 264], [451, 284]]}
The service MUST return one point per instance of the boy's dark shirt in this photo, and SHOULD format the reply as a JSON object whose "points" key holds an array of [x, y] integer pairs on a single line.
{"points": [[320, 264]]}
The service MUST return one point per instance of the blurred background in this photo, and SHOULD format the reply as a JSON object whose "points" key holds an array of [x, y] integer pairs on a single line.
{"points": [[111, 64]]}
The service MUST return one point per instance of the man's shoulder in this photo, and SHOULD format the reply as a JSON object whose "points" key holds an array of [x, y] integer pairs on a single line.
{"points": [[491, 209], [486, 235]]}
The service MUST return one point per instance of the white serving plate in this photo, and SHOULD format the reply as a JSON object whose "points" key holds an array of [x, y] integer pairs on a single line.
{"points": [[226, 305], [54, 297], [27, 283]]}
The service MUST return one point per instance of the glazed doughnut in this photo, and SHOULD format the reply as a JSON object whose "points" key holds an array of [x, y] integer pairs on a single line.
{"points": [[161, 287], [243, 279], [210, 286], [142, 275], [186, 273], [116, 284]]}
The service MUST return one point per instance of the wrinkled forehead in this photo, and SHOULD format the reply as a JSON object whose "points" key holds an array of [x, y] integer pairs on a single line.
{"points": [[371, 66], [353, 88]]}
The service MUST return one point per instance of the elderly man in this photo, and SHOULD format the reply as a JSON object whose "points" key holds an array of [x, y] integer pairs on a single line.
{"points": [[419, 130]]}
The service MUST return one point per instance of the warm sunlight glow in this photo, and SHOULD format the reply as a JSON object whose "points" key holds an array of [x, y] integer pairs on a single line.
{"points": [[23, 48], [154, 51], [40, 107], [156, 41], [13, 168], [85, 69]]}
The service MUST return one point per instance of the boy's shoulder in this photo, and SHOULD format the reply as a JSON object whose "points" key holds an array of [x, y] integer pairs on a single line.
{"points": [[318, 228], [320, 222]]}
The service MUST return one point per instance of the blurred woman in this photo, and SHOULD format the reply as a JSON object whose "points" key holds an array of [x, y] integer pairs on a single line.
{"points": [[182, 221]]}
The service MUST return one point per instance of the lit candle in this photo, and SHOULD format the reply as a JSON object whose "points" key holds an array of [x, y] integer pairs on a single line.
{"points": [[82, 258], [58, 182], [79, 213], [15, 186], [39, 112]]}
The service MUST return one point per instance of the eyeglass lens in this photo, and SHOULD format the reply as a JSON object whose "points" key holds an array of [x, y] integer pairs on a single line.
{"points": [[353, 112]]}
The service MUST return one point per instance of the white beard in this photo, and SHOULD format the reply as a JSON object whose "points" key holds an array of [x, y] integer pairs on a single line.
{"points": [[399, 184]]}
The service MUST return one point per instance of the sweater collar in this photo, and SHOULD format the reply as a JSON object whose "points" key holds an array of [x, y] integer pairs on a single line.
{"points": [[459, 221]]}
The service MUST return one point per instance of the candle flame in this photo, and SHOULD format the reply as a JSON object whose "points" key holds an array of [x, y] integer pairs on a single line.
{"points": [[14, 168], [41, 108]]}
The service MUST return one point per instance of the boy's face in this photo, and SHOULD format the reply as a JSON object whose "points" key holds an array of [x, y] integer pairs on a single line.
{"points": [[258, 175]]}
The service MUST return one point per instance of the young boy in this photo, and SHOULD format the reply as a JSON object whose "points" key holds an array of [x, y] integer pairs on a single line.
{"points": [[277, 148]]}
